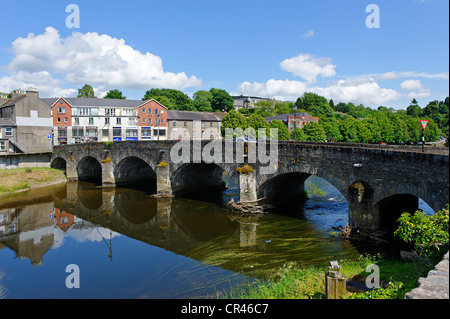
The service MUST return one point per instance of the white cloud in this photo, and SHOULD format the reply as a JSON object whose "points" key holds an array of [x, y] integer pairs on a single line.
{"points": [[366, 92], [43, 80], [99, 60], [309, 67], [409, 85], [392, 75], [308, 34], [416, 88]]}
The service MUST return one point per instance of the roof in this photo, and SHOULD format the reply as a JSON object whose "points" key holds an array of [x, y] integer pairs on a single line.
{"points": [[96, 102], [7, 122], [192, 116], [13, 102]]}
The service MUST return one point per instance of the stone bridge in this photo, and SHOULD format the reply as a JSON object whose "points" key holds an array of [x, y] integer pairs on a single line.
{"points": [[379, 182]]}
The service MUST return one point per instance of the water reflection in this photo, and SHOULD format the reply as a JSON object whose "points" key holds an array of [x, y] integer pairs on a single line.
{"points": [[151, 247]]}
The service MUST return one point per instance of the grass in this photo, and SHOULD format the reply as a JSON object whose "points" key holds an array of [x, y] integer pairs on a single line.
{"points": [[13, 180], [294, 282]]}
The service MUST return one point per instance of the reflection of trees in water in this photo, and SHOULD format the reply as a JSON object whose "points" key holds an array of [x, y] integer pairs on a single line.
{"points": [[135, 206]]}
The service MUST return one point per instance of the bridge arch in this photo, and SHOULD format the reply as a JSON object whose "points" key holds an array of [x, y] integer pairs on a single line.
{"points": [[134, 170], [89, 169], [196, 178], [59, 163]]}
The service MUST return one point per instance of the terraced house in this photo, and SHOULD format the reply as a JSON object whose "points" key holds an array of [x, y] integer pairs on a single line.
{"points": [[82, 120]]}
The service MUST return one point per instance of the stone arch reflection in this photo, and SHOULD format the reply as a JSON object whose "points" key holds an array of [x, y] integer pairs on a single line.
{"points": [[89, 169]]}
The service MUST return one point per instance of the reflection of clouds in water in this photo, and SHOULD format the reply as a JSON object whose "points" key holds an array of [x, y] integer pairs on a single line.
{"points": [[82, 233]]}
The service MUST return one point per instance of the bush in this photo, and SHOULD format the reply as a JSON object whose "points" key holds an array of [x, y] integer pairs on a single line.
{"points": [[429, 234]]}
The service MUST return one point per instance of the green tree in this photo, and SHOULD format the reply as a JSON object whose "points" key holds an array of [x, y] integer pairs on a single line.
{"points": [[314, 132], [315, 104], [115, 94], [283, 132], [221, 100], [202, 101], [86, 92], [257, 122], [233, 120], [331, 130], [414, 109], [298, 135], [179, 100]]}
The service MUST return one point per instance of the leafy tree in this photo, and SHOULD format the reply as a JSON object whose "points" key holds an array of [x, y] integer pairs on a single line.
{"points": [[202, 101], [221, 100], [348, 130], [413, 109], [298, 135], [314, 132], [429, 234], [283, 132], [234, 120], [164, 100], [331, 130], [115, 94], [86, 92], [178, 100], [256, 122], [315, 104]]}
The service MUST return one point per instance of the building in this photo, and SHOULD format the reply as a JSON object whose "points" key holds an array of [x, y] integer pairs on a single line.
{"points": [[193, 125], [239, 101], [82, 120], [25, 125], [294, 120]]}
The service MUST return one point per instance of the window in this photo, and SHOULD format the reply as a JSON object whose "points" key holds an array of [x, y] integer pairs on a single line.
{"points": [[119, 121], [162, 111], [156, 121], [78, 132], [117, 131], [91, 120], [77, 121], [105, 132], [62, 110], [146, 132], [149, 111], [143, 110], [211, 125], [91, 132], [66, 120], [156, 111], [162, 121], [62, 132], [149, 121], [58, 120], [106, 120], [185, 124], [174, 123], [110, 112], [144, 120], [2, 146], [131, 121], [132, 133], [8, 131]]}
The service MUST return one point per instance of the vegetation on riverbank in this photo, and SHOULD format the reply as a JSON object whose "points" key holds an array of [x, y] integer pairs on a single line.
{"points": [[13, 180], [429, 234]]}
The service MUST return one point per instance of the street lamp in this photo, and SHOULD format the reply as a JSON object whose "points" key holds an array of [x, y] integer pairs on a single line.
{"points": [[247, 103]]}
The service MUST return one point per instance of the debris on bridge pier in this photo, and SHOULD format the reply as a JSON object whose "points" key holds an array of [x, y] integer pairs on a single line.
{"points": [[248, 207]]}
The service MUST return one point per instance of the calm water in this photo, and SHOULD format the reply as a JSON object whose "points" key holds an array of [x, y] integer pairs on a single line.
{"points": [[129, 245]]}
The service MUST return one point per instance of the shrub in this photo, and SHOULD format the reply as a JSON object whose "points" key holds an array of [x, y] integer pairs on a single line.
{"points": [[429, 234]]}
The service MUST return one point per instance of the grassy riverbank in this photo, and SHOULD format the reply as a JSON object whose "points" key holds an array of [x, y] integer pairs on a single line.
{"points": [[294, 282], [14, 180]]}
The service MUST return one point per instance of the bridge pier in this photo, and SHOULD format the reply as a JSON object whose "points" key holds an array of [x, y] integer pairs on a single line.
{"points": [[247, 187], [163, 184]]}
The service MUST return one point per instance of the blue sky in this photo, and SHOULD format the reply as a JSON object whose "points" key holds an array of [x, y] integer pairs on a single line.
{"points": [[278, 49]]}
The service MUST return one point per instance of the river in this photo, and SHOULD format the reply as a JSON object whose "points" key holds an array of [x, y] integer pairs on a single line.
{"points": [[126, 244]]}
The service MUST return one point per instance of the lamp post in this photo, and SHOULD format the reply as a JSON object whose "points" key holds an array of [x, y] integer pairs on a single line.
{"points": [[247, 103]]}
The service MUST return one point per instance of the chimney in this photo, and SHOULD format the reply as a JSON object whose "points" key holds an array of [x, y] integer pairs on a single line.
{"points": [[32, 92], [16, 93]]}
